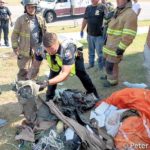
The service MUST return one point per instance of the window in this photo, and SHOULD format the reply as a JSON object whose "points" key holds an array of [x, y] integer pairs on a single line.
{"points": [[61, 1], [50, 0]]}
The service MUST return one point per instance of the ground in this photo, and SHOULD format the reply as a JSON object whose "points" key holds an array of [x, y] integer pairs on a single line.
{"points": [[131, 69]]}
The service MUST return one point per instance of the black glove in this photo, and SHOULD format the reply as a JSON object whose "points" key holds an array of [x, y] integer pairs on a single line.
{"points": [[43, 85], [119, 52]]}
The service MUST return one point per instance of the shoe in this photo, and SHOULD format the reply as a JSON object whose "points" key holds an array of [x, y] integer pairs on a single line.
{"points": [[7, 44], [89, 66], [108, 84], [100, 67], [49, 99], [103, 77]]}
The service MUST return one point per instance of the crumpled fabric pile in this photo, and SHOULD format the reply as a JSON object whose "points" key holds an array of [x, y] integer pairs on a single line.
{"points": [[47, 128]]}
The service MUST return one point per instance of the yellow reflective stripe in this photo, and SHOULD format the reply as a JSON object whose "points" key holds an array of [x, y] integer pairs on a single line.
{"points": [[15, 31], [15, 44], [114, 32], [24, 34], [109, 51], [129, 32], [73, 70], [122, 46], [59, 61], [112, 82], [25, 52]]}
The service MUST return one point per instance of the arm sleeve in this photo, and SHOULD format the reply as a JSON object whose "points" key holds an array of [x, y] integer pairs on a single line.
{"points": [[86, 13], [139, 6], [44, 26], [129, 31], [69, 55], [15, 34], [8, 12]]}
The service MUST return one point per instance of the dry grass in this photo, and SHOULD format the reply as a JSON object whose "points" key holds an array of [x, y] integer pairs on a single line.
{"points": [[13, 2], [131, 69], [143, 23], [72, 28]]}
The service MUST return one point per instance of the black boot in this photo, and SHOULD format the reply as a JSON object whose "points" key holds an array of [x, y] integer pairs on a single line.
{"points": [[103, 77], [7, 44]]}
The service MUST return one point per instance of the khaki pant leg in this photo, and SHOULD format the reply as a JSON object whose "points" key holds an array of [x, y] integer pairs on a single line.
{"points": [[34, 70], [24, 64]]}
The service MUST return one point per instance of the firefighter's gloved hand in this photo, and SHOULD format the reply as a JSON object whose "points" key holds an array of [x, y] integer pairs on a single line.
{"points": [[43, 85], [119, 52], [81, 34]]}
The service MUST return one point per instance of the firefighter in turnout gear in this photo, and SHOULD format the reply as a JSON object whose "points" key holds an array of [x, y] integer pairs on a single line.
{"points": [[64, 58], [120, 34], [27, 40], [5, 16]]}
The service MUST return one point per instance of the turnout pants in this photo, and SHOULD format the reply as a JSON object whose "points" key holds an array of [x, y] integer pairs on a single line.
{"points": [[112, 69], [80, 73], [28, 67]]}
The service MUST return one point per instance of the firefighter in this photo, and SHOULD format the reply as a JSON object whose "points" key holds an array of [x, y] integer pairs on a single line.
{"points": [[64, 59], [5, 16], [27, 40], [120, 34]]}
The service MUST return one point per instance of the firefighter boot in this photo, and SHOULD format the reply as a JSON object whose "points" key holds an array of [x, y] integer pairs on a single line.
{"points": [[107, 84]]}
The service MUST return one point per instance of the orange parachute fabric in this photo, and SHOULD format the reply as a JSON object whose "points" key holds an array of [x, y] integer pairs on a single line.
{"points": [[132, 98], [134, 131]]}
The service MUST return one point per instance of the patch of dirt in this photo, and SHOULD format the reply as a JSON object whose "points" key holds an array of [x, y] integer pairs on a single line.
{"points": [[7, 55]]}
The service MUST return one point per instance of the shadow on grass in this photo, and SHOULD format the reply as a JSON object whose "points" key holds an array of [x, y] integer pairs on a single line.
{"points": [[6, 87], [10, 112]]}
